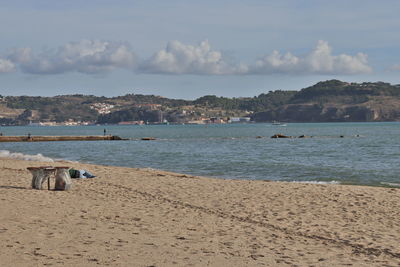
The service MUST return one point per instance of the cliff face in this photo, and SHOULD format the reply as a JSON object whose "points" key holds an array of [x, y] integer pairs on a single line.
{"points": [[336, 101], [330, 113]]}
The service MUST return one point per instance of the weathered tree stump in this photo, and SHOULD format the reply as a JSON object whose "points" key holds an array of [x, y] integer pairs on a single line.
{"points": [[41, 174], [63, 179], [48, 172], [37, 177]]}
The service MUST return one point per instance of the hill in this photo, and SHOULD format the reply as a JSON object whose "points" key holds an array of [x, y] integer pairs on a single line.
{"points": [[334, 100], [328, 101]]}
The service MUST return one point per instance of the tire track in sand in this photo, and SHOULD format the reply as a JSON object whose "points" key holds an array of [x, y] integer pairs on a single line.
{"points": [[357, 248]]}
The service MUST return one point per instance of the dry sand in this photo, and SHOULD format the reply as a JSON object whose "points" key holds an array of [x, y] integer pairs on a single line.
{"points": [[143, 217]]}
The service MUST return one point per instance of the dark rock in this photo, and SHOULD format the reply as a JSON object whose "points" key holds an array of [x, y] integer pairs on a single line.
{"points": [[280, 136], [148, 138]]}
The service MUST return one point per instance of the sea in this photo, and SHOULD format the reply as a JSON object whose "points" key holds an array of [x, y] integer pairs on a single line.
{"points": [[333, 153]]}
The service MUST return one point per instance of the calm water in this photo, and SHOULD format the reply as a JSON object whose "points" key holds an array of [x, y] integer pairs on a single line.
{"points": [[367, 154]]}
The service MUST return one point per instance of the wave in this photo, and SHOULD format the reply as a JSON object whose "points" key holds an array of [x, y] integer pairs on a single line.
{"points": [[21, 156], [316, 182], [391, 184]]}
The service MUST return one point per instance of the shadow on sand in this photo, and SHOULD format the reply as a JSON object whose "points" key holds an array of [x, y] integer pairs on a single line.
{"points": [[11, 187]]}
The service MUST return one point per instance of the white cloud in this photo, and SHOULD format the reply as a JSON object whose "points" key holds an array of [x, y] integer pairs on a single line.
{"points": [[395, 67], [319, 61], [21, 55], [178, 58], [86, 56], [91, 57], [6, 66]]}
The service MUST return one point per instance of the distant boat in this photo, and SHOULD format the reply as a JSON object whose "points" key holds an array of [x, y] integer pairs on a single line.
{"points": [[34, 124], [277, 123]]}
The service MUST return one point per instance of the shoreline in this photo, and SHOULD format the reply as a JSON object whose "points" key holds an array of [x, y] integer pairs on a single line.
{"points": [[237, 153], [142, 217], [5, 154]]}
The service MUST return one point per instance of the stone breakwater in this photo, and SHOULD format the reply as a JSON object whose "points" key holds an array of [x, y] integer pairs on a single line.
{"points": [[30, 138]]}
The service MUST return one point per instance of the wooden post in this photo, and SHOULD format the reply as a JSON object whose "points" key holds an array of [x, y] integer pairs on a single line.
{"points": [[63, 179]]}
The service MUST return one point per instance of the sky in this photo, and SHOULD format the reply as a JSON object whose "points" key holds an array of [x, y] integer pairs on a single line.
{"points": [[186, 49]]}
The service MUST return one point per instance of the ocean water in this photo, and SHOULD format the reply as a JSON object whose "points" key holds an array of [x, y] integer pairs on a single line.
{"points": [[367, 154]]}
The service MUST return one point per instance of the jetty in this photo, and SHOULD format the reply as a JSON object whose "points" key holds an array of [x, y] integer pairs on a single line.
{"points": [[42, 138]]}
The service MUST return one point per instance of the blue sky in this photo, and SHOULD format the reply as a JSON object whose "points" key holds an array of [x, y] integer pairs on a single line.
{"points": [[186, 49]]}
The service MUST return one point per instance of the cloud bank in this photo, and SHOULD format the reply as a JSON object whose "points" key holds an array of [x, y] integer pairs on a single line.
{"points": [[86, 56], [395, 67], [319, 61], [178, 58], [93, 57], [6, 66]]}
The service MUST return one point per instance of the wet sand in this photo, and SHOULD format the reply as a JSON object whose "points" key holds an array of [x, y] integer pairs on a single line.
{"points": [[144, 217]]}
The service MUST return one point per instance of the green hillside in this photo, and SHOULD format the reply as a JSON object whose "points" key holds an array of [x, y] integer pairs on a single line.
{"points": [[331, 100]]}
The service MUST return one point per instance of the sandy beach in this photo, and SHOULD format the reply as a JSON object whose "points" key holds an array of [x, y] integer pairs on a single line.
{"points": [[145, 217]]}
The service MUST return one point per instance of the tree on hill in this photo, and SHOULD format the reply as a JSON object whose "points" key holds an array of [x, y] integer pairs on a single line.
{"points": [[217, 102], [133, 114]]}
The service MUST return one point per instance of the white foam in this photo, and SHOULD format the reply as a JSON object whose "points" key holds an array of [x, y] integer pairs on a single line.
{"points": [[316, 182], [37, 157], [391, 184]]}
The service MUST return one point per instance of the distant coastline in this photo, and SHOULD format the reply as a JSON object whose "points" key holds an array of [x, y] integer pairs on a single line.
{"points": [[328, 101]]}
